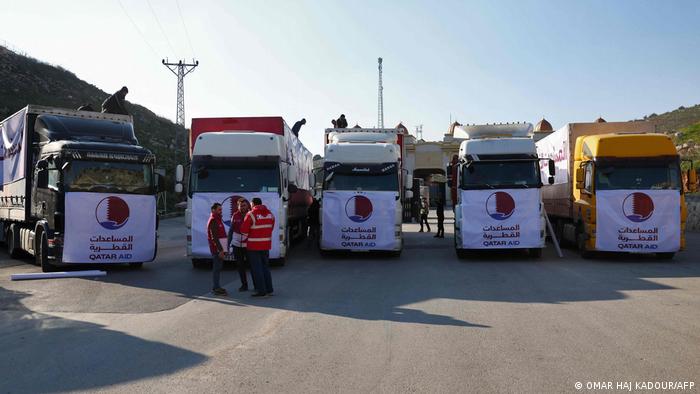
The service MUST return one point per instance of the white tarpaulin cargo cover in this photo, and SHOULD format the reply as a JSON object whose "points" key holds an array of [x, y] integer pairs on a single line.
{"points": [[359, 220], [638, 220], [109, 228], [501, 219], [201, 209]]}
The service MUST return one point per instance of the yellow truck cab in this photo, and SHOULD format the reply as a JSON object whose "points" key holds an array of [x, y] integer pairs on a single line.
{"points": [[625, 191]]}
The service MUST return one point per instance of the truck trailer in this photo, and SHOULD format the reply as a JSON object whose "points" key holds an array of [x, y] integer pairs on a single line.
{"points": [[246, 157], [498, 182], [76, 188], [618, 188], [363, 190]]}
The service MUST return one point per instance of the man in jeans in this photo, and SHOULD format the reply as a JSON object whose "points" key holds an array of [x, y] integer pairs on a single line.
{"points": [[257, 230], [216, 234], [235, 239]]}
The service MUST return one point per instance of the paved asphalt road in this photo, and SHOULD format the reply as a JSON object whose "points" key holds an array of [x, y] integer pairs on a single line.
{"points": [[425, 322]]}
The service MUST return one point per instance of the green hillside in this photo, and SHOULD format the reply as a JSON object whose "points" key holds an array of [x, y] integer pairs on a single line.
{"points": [[683, 124], [24, 80]]}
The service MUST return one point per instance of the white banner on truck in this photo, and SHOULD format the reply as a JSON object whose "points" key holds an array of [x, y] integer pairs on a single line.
{"points": [[13, 142], [556, 147], [501, 219], [638, 220], [359, 220], [201, 209], [109, 228]]}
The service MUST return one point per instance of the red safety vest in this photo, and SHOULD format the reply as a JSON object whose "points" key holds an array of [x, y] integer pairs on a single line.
{"points": [[221, 233], [257, 228]]}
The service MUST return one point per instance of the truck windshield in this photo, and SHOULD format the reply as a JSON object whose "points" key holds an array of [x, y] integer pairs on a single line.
{"points": [[235, 177], [637, 176], [363, 182], [499, 174], [108, 177]]}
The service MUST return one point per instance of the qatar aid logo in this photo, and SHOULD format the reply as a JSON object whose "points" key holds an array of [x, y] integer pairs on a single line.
{"points": [[358, 208], [500, 205], [112, 213], [638, 207], [228, 207]]}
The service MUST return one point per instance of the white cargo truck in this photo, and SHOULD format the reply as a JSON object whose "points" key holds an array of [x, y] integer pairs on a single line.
{"points": [[363, 189], [499, 199]]}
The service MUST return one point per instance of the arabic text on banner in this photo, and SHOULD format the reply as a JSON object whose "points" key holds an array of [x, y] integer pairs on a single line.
{"points": [[201, 209], [359, 220], [638, 220], [501, 219], [109, 228]]}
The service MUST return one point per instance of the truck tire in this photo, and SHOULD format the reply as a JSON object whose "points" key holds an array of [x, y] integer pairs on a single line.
{"points": [[666, 255], [581, 243], [201, 263], [535, 253], [136, 266], [12, 248], [41, 253]]}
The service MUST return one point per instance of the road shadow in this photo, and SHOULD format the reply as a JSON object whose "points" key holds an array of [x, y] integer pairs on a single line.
{"points": [[43, 353]]}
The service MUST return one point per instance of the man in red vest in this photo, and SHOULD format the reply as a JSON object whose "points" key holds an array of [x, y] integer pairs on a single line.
{"points": [[216, 234], [257, 230]]}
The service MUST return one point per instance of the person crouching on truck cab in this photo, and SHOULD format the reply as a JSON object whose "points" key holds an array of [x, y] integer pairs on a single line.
{"points": [[236, 242], [115, 104], [257, 232], [424, 211], [216, 234]]}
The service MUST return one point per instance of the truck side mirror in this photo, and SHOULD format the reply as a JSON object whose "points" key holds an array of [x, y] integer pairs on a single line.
{"points": [[409, 181], [550, 179], [408, 195], [552, 169], [178, 188], [179, 173], [692, 180]]}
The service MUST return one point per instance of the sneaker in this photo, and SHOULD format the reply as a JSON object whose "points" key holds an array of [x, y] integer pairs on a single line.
{"points": [[258, 295], [243, 288], [220, 291]]}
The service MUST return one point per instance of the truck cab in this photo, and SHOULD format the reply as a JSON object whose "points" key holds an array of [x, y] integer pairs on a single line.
{"points": [[79, 189], [498, 181], [362, 191], [234, 158]]}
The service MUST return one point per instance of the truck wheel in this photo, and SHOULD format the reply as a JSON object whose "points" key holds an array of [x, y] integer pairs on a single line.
{"points": [[41, 253], [462, 254], [581, 243], [136, 266], [12, 248], [535, 253], [666, 255], [200, 263]]}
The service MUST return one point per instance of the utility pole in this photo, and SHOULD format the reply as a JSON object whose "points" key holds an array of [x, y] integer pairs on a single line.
{"points": [[380, 105], [180, 69]]}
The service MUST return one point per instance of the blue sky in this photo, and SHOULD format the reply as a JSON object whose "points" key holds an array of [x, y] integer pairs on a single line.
{"points": [[486, 61]]}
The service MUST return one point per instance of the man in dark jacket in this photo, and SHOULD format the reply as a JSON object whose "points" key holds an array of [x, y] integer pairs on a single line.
{"points": [[216, 235], [115, 103], [342, 123], [313, 219], [440, 211]]}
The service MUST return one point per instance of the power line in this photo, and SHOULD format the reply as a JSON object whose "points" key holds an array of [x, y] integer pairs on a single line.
{"points": [[143, 37], [155, 16], [184, 26]]}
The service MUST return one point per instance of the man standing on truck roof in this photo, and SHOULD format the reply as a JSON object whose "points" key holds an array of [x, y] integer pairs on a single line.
{"points": [[297, 126], [257, 231], [115, 104], [236, 241], [216, 234], [341, 123]]}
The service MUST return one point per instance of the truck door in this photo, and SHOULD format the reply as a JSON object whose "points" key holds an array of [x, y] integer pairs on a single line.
{"points": [[45, 193]]}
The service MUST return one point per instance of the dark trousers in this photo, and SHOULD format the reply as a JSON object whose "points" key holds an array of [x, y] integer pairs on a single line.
{"points": [[216, 265], [242, 265], [441, 226], [262, 279], [424, 219]]}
